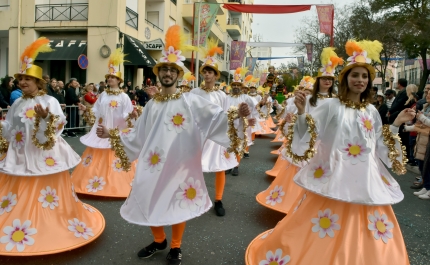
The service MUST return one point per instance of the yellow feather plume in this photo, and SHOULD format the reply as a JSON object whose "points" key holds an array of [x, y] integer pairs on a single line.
{"points": [[255, 80], [243, 71], [352, 46], [237, 71], [176, 38], [189, 77], [222, 84], [227, 89], [260, 89], [212, 48], [248, 78], [39, 45], [373, 49], [117, 57], [328, 55]]}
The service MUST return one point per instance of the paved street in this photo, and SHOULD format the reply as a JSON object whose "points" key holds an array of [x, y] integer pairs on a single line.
{"points": [[222, 240]]}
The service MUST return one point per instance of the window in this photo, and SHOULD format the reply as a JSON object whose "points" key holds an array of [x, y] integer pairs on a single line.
{"points": [[173, 1], [153, 17]]}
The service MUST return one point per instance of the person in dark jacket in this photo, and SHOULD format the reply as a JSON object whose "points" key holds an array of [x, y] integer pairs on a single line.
{"points": [[382, 107], [72, 101], [142, 97]]}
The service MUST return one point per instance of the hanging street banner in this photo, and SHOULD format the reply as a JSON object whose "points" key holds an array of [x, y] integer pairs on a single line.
{"points": [[326, 17], [301, 62], [206, 14], [309, 51], [237, 54], [250, 63]]}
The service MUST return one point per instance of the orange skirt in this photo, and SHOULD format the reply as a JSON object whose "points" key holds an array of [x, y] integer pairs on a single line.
{"points": [[283, 192], [278, 151], [279, 137], [327, 232], [279, 165], [100, 174], [279, 122], [270, 122], [43, 215], [264, 129]]}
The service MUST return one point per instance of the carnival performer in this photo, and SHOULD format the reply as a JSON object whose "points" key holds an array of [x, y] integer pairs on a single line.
{"points": [[344, 214], [168, 139], [39, 211], [215, 158], [256, 98], [186, 82], [283, 192], [100, 172], [236, 98], [264, 109]]}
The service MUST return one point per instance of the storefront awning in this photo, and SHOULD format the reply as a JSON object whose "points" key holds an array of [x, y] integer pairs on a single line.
{"points": [[136, 53], [64, 49]]}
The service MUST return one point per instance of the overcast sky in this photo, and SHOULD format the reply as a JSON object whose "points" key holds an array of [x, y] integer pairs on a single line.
{"points": [[281, 28]]}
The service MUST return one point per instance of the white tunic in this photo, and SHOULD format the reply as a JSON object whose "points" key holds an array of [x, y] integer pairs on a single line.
{"points": [[111, 111], [215, 157], [168, 140], [347, 165], [23, 158]]}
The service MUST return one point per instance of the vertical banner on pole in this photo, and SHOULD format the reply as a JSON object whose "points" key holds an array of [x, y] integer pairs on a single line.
{"points": [[326, 17], [207, 18], [250, 63], [301, 62], [237, 54], [309, 51]]}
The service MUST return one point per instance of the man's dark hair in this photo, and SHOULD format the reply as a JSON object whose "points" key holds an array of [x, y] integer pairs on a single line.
{"points": [[390, 92], [207, 68], [375, 89], [403, 82]]}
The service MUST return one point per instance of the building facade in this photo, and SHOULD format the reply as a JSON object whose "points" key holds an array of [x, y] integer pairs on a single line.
{"points": [[94, 28]]}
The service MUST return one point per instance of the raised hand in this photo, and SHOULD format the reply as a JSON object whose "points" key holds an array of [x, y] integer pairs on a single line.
{"points": [[82, 107], [102, 131], [404, 116], [244, 110], [40, 111], [152, 90], [300, 101], [251, 122]]}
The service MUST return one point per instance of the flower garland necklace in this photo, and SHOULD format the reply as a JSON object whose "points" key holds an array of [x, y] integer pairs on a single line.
{"points": [[354, 105], [40, 93], [110, 91], [158, 97], [208, 90]]}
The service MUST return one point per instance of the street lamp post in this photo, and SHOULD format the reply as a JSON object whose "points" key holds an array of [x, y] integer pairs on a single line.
{"points": [[391, 80]]}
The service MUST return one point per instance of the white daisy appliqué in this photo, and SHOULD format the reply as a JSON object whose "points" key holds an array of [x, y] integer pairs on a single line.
{"points": [[25, 64], [28, 115], [177, 121], [95, 184], [380, 226], [325, 223], [275, 258], [190, 194], [80, 229], [355, 150], [18, 235], [7, 202], [319, 173], [60, 125], [113, 104], [359, 57], [126, 131], [87, 160], [116, 165], [155, 160], [172, 56], [18, 137], [366, 123], [49, 162], [49, 198], [275, 196]]}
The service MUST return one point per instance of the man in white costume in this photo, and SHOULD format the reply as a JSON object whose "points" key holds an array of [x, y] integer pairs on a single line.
{"points": [[167, 140]]}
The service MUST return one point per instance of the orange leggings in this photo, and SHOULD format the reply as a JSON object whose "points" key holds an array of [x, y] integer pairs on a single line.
{"points": [[253, 136], [177, 233], [219, 185], [238, 159], [247, 149]]}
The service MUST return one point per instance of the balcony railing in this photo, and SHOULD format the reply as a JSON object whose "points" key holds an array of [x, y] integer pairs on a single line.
{"points": [[153, 25], [131, 18], [62, 12], [234, 21]]}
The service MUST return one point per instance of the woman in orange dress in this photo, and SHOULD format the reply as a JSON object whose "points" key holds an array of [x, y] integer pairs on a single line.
{"points": [[39, 210]]}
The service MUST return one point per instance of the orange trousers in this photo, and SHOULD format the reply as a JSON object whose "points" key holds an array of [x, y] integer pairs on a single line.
{"points": [[177, 233], [219, 185]]}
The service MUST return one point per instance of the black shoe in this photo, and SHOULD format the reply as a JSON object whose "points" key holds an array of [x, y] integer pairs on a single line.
{"points": [[246, 155], [228, 171], [235, 171], [174, 257], [220, 211], [72, 135], [150, 250], [417, 187]]}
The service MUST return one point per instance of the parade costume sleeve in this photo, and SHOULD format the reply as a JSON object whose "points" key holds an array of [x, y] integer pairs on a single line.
{"points": [[53, 123], [128, 106]]}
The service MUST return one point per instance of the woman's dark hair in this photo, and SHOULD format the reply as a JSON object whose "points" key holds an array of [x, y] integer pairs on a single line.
{"points": [[5, 82], [314, 97], [343, 88]]}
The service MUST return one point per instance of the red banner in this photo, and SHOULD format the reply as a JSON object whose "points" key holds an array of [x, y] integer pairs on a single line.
{"points": [[309, 51], [267, 9], [326, 17]]}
